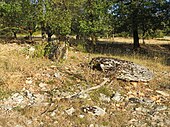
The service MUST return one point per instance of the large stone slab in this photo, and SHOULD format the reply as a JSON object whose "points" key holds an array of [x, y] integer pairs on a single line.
{"points": [[121, 69]]}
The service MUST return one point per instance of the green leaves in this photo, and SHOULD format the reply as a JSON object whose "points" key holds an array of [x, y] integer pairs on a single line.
{"points": [[94, 19]]}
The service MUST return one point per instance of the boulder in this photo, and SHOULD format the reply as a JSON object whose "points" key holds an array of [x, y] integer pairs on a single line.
{"points": [[121, 69]]}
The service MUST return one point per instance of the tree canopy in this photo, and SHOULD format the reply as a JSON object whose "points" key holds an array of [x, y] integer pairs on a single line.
{"points": [[88, 18], [141, 16]]}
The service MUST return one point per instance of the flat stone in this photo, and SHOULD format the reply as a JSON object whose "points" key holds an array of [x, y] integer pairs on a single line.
{"points": [[28, 81], [57, 75], [141, 109], [161, 108], [70, 111], [94, 110], [148, 101], [121, 69], [83, 96], [117, 97], [162, 93], [53, 114], [42, 85], [81, 116], [104, 98], [134, 100]]}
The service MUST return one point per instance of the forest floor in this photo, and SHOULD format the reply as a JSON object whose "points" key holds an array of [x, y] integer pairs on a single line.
{"points": [[36, 92]]}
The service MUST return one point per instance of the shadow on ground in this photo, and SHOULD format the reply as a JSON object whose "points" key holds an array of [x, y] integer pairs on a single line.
{"points": [[152, 51]]}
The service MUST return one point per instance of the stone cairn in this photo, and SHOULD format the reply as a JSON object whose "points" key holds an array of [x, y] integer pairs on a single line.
{"points": [[121, 69]]}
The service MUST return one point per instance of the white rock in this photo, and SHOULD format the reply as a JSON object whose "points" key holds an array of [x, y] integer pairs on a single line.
{"points": [[141, 109], [99, 111], [162, 93], [29, 94], [29, 121], [31, 50], [103, 97], [117, 97], [48, 75], [57, 75], [70, 111], [42, 85], [83, 96], [18, 126], [94, 110], [91, 125], [7, 107], [53, 66], [81, 116], [55, 122], [161, 108], [17, 98], [27, 57], [53, 114], [28, 81]]}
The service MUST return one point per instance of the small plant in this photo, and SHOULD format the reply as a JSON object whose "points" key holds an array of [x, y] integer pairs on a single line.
{"points": [[73, 57], [4, 93], [40, 50]]}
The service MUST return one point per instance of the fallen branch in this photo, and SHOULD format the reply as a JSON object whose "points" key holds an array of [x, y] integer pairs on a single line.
{"points": [[52, 106], [87, 90]]}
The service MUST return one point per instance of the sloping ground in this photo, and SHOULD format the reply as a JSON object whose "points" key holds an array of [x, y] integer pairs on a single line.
{"points": [[36, 92]]}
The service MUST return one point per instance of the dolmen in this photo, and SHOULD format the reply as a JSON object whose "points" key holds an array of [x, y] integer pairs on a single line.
{"points": [[121, 69]]}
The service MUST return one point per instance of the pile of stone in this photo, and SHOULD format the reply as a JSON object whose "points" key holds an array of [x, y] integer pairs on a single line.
{"points": [[23, 99]]}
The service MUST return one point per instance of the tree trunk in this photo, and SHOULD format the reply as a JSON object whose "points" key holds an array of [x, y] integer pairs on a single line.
{"points": [[15, 35], [49, 37], [136, 44], [43, 32], [49, 33], [94, 40], [30, 36], [135, 39]]}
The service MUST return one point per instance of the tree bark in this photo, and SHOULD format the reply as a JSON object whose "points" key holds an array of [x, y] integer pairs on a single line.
{"points": [[136, 44], [15, 35], [49, 36], [49, 33], [30, 36], [135, 39]]}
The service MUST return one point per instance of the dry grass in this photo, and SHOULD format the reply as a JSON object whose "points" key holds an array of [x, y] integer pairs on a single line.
{"points": [[130, 40], [15, 68]]}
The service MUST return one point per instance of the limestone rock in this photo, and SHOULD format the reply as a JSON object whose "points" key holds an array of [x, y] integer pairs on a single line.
{"points": [[70, 111], [121, 69], [117, 97], [94, 110], [57, 51]]}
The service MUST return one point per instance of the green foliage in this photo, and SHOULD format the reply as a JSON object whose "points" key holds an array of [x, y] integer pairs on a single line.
{"points": [[4, 93], [87, 18], [150, 18], [11, 16], [40, 50], [94, 19], [123, 34]]}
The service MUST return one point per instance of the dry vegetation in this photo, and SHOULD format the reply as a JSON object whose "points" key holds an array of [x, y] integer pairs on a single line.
{"points": [[16, 66], [130, 40]]}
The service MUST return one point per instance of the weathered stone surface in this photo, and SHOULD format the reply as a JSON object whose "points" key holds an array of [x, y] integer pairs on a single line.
{"points": [[57, 51], [122, 69], [94, 110]]}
